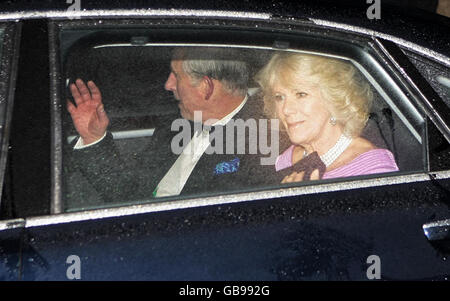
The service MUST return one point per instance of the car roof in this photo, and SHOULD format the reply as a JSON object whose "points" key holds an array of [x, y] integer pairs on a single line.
{"points": [[411, 25]]}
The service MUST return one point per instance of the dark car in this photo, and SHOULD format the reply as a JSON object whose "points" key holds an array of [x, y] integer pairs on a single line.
{"points": [[55, 224]]}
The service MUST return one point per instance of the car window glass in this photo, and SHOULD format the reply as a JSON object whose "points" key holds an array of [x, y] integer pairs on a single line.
{"points": [[436, 75], [148, 99], [2, 120], [9, 33]]}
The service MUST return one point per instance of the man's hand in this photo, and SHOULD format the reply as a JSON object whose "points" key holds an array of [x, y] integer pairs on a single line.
{"points": [[88, 116]]}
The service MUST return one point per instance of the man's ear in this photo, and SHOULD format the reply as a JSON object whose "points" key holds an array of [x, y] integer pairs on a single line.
{"points": [[208, 86]]}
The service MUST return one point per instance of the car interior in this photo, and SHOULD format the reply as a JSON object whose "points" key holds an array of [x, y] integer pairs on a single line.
{"points": [[131, 76]]}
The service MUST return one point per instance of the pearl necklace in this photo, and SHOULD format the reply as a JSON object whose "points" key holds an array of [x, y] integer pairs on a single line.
{"points": [[331, 155]]}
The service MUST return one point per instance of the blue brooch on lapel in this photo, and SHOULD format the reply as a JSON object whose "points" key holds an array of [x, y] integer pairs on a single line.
{"points": [[227, 167]]}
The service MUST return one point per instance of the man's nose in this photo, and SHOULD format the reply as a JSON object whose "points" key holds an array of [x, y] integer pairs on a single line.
{"points": [[171, 82]]}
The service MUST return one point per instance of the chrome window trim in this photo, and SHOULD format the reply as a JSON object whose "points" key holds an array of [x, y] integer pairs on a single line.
{"points": [[137, 13], [130, 210], [56, 204]]}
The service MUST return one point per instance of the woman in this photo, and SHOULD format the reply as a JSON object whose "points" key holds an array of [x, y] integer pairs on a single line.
{"points": [[323, 104]]}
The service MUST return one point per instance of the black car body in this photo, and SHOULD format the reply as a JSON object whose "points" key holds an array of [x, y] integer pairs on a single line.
{"points": [[313, 231]]}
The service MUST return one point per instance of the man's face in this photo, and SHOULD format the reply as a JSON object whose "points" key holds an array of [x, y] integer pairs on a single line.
{"points": [[189, 95]]}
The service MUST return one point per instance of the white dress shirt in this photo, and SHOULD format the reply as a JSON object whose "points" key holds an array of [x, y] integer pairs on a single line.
{"points": [[175, 179]]}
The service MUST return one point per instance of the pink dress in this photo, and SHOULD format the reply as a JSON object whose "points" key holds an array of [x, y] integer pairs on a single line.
{"points": [[371, 162]]}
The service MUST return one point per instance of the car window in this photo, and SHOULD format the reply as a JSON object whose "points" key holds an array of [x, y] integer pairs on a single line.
{"points": [[148, 102], [1, 121], [436, 74], [8, 61]]}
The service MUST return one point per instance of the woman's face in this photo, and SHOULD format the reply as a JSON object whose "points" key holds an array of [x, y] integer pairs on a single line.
{"points": [[302, 111]]}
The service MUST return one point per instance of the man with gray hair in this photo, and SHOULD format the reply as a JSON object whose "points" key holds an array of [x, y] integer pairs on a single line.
{"points": [[209, 84]]}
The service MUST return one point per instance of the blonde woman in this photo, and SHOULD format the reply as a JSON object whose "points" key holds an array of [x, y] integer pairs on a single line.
{"points": [[323, 104]]}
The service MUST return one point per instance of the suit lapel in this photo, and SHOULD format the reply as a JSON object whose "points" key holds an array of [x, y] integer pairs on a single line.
{"points": [[203, 178]]}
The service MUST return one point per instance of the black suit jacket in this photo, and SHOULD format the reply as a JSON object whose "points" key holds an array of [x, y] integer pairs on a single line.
{"points": [[122, 179]]}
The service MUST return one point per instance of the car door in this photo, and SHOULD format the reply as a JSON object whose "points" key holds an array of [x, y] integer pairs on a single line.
{"points": [[346, 229]]}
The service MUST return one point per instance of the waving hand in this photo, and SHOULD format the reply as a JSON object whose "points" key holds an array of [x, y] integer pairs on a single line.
{"points": [[88, 116]]}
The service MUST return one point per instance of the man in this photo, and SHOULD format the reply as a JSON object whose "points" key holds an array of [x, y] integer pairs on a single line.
{"points": [[207, 82]]}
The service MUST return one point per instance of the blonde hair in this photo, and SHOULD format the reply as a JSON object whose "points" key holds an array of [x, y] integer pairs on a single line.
{"points": [[346, 92]]}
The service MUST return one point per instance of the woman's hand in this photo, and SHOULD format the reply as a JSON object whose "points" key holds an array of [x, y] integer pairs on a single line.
{"points": [[298, 177]]}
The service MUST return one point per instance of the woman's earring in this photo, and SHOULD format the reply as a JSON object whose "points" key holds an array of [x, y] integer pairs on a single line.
{"points": [[333, 120]]}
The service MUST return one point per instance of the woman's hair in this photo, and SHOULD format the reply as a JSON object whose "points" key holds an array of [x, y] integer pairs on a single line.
{"points": [[343, 88]]}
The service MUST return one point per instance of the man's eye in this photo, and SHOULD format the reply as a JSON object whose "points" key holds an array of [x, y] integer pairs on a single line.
{"points": [[301, 94]]}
